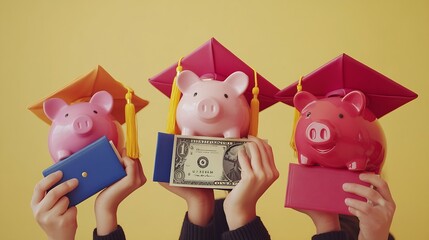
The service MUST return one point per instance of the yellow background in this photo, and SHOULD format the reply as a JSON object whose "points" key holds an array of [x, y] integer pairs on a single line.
{"points": [[45, 45]]}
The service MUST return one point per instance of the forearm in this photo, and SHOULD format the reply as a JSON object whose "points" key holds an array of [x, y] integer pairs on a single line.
{"points": [[61, 238], [237, 217], [106, 221], [325, 226], [200, 212]]}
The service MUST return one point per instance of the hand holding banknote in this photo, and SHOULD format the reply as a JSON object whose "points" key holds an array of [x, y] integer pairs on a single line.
{"points": [[258, 172]]}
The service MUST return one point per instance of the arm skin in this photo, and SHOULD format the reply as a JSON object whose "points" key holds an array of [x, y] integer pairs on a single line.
{"points": [[200, 202], [107, 202]]}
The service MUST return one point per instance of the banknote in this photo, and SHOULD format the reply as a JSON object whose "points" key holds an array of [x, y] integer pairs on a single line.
{"points": [[205, 162]]}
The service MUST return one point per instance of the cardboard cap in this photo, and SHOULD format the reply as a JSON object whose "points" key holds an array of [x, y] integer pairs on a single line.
{"points": [[213, 60], [84, 87], [344, 74]]}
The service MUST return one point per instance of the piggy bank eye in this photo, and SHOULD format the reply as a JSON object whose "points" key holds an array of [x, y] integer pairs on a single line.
{"points": [[95, 112], [225, 95], [66, 115], [195, 94], [340, 115], [308, 114]]}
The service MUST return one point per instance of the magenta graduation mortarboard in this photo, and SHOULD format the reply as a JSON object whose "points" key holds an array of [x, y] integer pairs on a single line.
{"points": [[345, 73], [214, 59]]}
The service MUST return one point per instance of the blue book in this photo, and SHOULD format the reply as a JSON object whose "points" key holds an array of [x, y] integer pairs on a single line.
{"points": [[96, 166], [163, 156]]}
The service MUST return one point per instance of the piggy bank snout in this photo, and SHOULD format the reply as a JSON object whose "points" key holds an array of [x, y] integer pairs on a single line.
{"points": [[82, 124], [208, 109], [320, 133]]}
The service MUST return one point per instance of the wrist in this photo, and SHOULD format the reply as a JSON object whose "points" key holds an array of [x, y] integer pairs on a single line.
{"points": [[327, 225], [200, 211], [71, 237], [237, 217], [106, 221]]}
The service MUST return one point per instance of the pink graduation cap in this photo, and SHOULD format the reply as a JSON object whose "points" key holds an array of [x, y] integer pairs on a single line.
{"points": [[345, 74], [213, 59]]}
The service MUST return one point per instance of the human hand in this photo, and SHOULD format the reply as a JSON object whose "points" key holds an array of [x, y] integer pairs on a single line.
{"points": [[200, 202], [258, 172], [375, 216], [50, 209], [107, 202]]}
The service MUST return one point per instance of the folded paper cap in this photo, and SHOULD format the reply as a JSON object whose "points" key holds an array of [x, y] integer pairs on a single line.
{"points": [[84, 87], [213, 60], [125, 102], [344, 74]]}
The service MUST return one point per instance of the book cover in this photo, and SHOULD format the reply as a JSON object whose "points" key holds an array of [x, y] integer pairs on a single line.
{"points": [[320, 188], [96, 167], [163, 156]]}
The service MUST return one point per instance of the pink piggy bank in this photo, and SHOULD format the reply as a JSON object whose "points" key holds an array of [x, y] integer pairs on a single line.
{"points": [[338, 132], [213, 108], [77, 125]]}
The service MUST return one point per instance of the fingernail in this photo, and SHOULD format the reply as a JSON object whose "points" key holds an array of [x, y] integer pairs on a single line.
{"points": [[246, 149], [73, 182], [347, 201], [346, 186]]}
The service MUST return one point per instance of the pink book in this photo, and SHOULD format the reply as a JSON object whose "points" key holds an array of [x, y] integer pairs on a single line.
{"points": [[319, 188]]}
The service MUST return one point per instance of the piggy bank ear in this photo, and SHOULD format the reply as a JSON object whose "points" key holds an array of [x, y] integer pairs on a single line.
{"points": [[186, 79], [52, 106], [357, 99], [103, 99], [237, 81], [302, 99]]}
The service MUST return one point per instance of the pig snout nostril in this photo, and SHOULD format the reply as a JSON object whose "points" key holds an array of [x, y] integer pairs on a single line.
{"points": [[323, 134], [312, 134]]}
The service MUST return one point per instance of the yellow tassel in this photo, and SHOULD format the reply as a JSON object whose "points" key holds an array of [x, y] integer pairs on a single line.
{"points": [[130, 119], [174, 101], [254, 108], [295, 120]]}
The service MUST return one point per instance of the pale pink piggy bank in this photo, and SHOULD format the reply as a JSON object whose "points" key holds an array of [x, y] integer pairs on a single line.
{"points": [[338, 132], [77, 125], [213, 108]]}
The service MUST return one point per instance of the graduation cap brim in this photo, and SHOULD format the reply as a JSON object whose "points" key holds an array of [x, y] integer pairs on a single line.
{"points": [[383, 94], [83, 88], [213, 58]]}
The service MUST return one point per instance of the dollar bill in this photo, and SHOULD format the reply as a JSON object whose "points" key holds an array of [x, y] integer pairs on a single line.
{"points": [[205, 162]]}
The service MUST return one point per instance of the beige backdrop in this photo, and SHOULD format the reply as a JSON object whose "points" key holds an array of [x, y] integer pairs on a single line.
{"points": [[45, 45]]}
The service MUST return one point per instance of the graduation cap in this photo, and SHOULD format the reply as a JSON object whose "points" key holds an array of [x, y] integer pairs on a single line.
{"points": [[213, 59], [126, 103], [344, 74]]}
